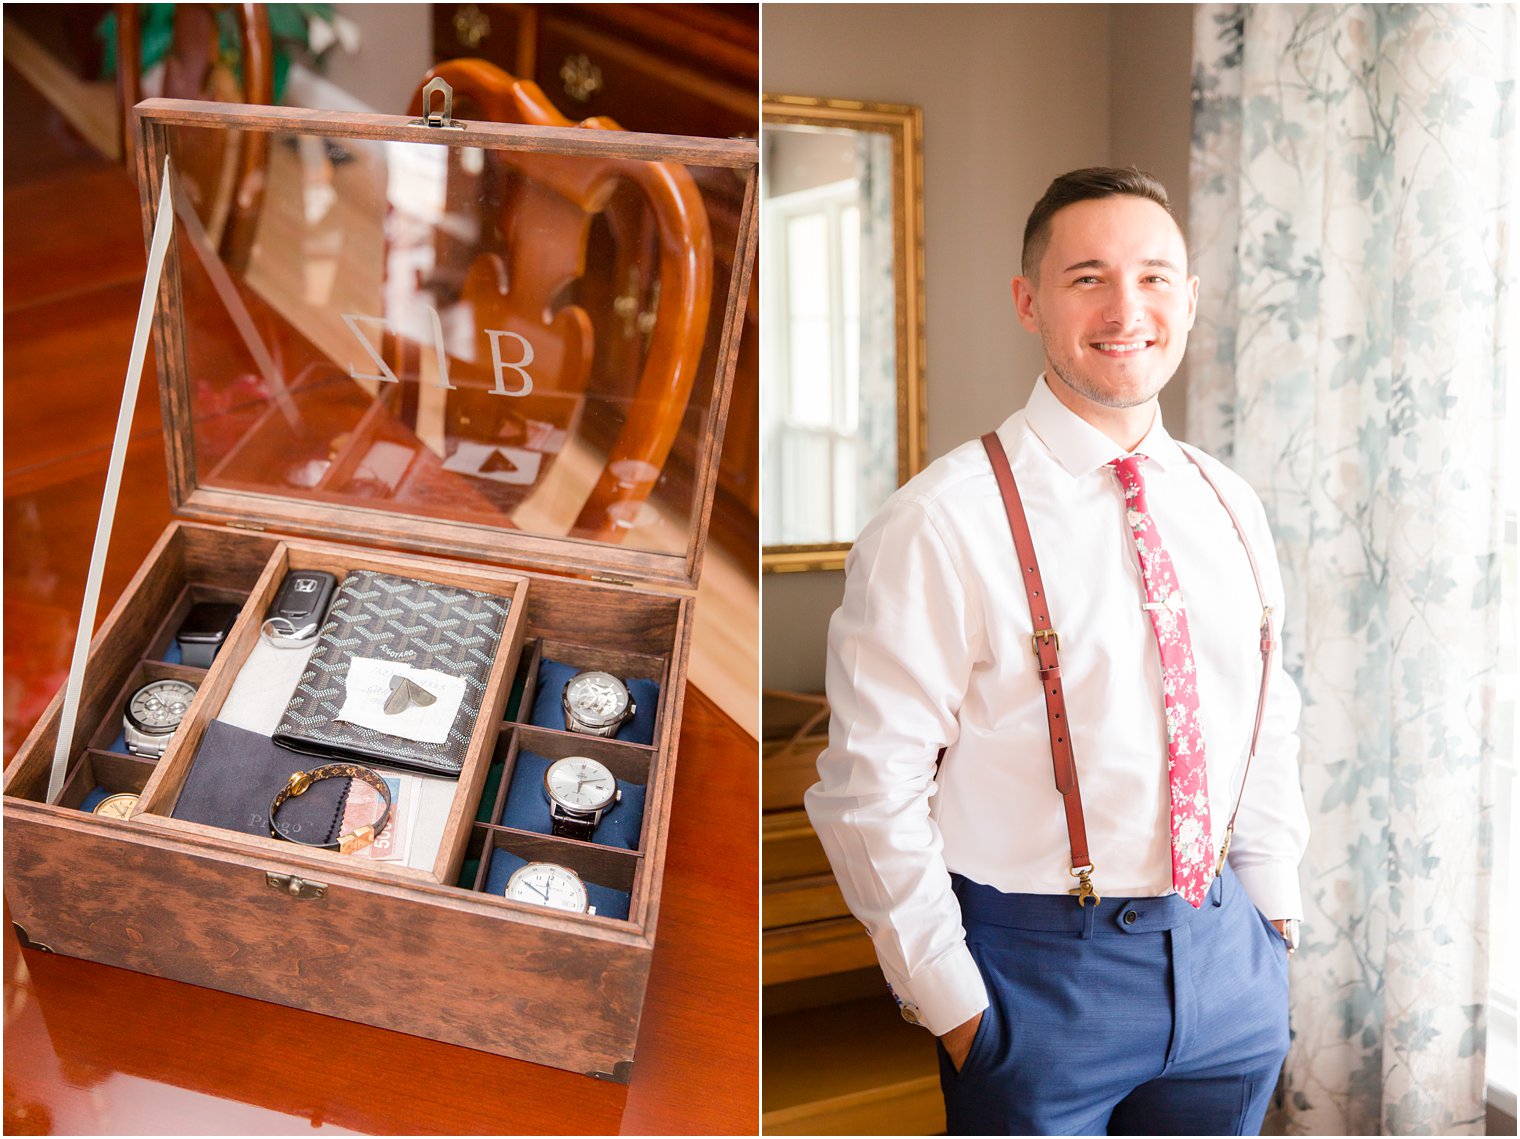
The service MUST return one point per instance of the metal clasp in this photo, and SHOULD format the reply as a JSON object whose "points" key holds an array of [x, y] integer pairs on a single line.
{"points": [[1224, 850], [298, 782], [1084, 891], [437, 120], [1045, 635], [297, 888], [349, 843]]}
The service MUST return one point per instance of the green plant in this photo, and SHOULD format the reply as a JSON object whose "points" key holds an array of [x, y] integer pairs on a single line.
{"points": [[291, 34]]}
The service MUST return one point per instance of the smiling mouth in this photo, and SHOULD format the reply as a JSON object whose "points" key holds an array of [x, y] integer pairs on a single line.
{"points": [[1121, 348]]}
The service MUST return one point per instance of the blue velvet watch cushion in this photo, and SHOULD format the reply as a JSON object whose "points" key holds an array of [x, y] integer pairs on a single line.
{"points": [[549, 708], [527, 806], [609, 903], [94, 799]]}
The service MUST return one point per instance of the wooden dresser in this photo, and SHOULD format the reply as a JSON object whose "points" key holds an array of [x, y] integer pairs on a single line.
{"points": [[668, 69], [838, 1058]]}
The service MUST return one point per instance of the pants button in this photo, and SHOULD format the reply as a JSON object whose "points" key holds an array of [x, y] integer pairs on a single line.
{"points": [[1129, 917]]}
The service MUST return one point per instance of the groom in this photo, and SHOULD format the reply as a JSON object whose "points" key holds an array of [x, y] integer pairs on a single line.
{"points": [[1039, 748]]}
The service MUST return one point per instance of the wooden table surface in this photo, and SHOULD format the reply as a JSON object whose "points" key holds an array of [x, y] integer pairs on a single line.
{"points": [[94, 1049]]}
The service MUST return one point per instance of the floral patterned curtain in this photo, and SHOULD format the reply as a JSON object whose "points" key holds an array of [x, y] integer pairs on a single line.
{"points": [[1353, 219]]}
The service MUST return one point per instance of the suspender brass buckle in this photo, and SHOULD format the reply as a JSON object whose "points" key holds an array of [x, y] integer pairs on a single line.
{"points": [[1224, 850], [1084, 891], [1045, 635]]}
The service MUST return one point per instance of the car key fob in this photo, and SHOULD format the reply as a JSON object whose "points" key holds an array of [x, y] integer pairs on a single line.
{"points": [[299, 608]]}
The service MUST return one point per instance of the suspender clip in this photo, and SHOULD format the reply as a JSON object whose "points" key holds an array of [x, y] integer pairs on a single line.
{"points": [[1084, 891], [1224, 850]]}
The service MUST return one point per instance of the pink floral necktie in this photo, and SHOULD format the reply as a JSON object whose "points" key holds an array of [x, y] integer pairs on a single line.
{"points": [[1192, 836]]}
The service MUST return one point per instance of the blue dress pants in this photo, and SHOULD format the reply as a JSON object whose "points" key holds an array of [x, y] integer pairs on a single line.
{"points": [[1139, 1016]]}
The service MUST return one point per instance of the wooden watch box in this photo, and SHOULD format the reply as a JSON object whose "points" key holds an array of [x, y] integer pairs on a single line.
{"points": [[375, 355]]}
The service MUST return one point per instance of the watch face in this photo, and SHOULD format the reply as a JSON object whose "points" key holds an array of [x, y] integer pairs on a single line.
{"points": [[580, 784], [158, 707], [597, 698], [208, 621], [548, 884], [116, 806]]}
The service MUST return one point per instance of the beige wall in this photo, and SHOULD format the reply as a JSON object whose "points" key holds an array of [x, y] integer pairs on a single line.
{"points": [[395, 52], [1012, 96], [1150, 86]]}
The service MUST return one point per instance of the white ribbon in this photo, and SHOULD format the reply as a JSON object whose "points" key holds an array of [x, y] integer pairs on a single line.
{"points": [[163, 228]]}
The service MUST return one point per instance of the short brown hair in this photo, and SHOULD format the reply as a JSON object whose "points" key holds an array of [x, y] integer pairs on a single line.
{"points": [[1084, 186]]}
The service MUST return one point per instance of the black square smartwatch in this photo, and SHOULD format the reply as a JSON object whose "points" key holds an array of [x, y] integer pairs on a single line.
{"points": [[203, 630]]}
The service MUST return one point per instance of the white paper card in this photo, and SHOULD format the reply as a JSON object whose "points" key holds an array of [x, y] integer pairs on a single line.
{"points": [[504, 464], [371, 685]]}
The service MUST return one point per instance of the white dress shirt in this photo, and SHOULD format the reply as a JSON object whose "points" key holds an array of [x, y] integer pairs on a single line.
{"points": [[931, 649]]}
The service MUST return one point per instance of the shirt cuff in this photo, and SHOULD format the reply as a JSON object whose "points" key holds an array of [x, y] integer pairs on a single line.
{"points": [[1273, 886], [945, 994]]}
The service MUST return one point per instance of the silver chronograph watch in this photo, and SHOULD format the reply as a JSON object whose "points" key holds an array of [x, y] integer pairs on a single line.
{"points": [[549, 884], [597, 704], [580, 791], [153, 713]]}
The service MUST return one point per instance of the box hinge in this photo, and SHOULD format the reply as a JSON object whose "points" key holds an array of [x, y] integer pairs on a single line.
{"points": [[297, 888], [246, 525], [610, 580]]}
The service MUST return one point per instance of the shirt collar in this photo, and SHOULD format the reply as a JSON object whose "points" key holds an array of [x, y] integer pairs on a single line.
{"points": [[1079, 446]]}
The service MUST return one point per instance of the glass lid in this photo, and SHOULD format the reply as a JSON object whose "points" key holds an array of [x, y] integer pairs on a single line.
{"points": [[507, 341]]}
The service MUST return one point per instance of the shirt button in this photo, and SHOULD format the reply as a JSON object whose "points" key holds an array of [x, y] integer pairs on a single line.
{"points": [[1129, 917], [910, 1014]]}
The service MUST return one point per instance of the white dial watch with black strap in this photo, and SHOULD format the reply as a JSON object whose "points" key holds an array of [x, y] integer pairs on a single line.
{"points": [[581, 790]]}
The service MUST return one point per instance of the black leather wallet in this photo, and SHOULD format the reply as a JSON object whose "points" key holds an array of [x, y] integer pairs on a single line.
{"points": [[385, 617]]}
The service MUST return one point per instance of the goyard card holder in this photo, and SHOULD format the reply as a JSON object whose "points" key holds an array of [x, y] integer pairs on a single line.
{"points": [[428, 647]]}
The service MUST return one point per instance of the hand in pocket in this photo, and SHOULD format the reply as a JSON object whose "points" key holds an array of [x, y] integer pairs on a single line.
{"points": [[957, 1042]]}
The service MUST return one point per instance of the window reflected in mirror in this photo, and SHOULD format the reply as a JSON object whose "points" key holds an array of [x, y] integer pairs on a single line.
{"points": [[841, 303]]}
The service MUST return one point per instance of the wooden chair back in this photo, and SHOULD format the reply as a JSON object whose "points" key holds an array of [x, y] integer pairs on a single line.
{"points": [[533, 249], [225, 176]]}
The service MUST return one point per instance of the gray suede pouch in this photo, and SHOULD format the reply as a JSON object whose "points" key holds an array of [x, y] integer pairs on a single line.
{"points": [[236, 775]]}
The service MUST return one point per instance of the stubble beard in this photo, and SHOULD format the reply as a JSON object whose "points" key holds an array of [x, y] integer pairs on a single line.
{"points": [[1068, 373]]}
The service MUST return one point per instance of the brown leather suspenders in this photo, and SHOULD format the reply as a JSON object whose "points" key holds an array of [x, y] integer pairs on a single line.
{"points": [[1047, 649]]}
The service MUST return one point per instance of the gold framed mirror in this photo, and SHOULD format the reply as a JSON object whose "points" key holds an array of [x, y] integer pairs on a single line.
{"points": [[842, 319]]}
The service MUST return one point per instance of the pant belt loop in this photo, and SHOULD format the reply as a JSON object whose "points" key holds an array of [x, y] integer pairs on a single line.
{"points": [[1088, 914]]}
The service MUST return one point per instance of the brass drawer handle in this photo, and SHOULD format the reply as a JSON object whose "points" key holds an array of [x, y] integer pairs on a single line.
{"points": [[471, 25], [582, 78]]}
